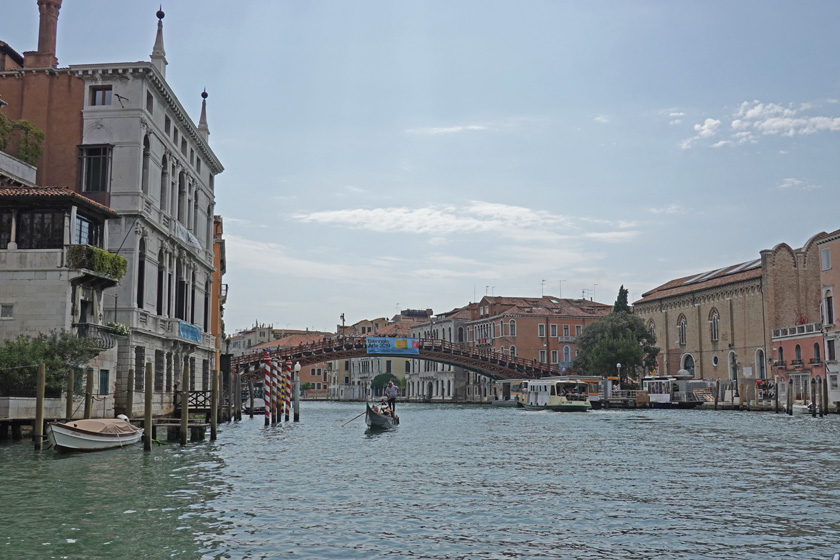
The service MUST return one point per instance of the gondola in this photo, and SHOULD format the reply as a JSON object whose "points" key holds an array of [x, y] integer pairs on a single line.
{"points": [[378, 421]]}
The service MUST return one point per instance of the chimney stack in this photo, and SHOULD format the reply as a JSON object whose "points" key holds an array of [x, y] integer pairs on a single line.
{"points": [[45, 57]]}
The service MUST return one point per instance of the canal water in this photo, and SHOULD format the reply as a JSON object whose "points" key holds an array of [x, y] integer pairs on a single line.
{"points": [[462, 482]]}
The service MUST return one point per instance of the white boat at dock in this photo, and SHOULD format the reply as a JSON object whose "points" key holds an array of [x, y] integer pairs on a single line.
{"points": [[559, 394], [93, 434], [509, 392], [676, 391]]}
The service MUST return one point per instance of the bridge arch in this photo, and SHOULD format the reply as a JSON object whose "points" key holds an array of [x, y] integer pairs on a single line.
{"points": [[485, 361]]}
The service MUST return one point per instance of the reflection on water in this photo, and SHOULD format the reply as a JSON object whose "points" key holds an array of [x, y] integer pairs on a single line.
{"points": [[449, 482]]}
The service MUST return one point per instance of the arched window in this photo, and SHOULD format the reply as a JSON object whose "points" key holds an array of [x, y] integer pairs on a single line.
{"points": [[760, 364], [141, 272], [512, 327], [460, 334], [164, 183], [206, 306], [161, 265], [182, 198], [513, 352], [798, 354], [567, 354], [816, 352], [652, 329], [828, 308], [688, 363], [714, 324], [781, 356], [681, 329], [144, 179]]}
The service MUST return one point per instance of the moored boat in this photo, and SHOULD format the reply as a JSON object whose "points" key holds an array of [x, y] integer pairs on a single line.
{"points": [[376, 420], [93, 434], [676, 391], [565, 394], [509, 392]]}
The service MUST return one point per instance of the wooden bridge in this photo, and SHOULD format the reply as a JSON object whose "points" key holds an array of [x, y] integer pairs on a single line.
{"points": [[485, 361]]}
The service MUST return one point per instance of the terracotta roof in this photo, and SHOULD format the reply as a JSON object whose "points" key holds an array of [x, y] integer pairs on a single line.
{"points": [[545, 305], [47, 195], [402, 328], [711, 279]]}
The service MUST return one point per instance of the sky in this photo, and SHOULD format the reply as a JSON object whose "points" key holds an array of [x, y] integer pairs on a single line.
{"points": [[387, 155]]}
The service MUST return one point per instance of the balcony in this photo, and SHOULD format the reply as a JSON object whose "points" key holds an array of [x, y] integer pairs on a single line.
{"points": [[104, 337], [796, 363], [566, 338], [815, 362], [779, 363], [98, 263]]}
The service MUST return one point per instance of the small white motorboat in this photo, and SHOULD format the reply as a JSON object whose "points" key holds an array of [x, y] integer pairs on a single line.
{"points": [[93, 434]]}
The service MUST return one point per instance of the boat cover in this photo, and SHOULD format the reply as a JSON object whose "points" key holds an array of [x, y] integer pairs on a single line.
{"points": [[103, 426]]}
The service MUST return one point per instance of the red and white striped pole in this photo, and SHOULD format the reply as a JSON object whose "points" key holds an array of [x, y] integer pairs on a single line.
{"points": [[277, 404], [288, 384], [267, 389]]}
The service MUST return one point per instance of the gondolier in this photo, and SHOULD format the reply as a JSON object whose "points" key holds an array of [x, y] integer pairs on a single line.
{"points": [[391, 392]]}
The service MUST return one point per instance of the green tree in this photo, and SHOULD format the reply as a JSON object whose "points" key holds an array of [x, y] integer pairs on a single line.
{"points": [[381, 380], [621, 301], [60, 351], [27, 138], [618, 338]]}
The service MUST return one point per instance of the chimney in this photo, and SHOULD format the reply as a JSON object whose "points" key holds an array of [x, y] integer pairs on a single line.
{"points": [[44, 57]]}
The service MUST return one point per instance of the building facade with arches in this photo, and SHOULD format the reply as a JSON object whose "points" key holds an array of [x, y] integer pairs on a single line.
{"points": [[720, 324]]}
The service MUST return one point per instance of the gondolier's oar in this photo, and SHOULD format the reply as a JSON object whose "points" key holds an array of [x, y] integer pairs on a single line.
{"points": [[352, 419]]}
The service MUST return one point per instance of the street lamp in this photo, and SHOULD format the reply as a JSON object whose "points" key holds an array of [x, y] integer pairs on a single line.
{"points": [[618, 367]]}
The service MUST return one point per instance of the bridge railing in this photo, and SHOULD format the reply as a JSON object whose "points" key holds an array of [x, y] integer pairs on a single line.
{"points": [[328, 346]]}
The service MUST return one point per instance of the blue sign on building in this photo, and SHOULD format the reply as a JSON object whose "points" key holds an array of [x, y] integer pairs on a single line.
{"points": [[189, 332], [386, 345]]}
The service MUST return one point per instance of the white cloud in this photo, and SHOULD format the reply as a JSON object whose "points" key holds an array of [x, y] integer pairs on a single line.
{"points": [[602, 119], [753, 119], [436, 131], [792, 183], [671, 209]]}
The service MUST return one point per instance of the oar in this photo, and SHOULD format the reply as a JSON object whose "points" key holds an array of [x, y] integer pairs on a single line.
{"points": [[352, 419]]}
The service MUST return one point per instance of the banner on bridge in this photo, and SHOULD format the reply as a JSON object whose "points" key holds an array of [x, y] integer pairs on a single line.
{"points": [[387, 345]]}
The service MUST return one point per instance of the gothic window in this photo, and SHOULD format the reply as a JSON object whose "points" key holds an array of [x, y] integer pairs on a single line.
{"points": [[513, 352], [798, 353], [512, 328], [816, 352], [681, 329], [714, 323], [760, 364]]}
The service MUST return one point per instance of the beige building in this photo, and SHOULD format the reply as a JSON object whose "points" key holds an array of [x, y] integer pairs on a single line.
{"points": [[719, 324]]}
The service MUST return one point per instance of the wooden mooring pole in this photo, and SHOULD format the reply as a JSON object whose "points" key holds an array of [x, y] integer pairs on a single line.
{"points": [[129, 395], [185, 402], [147, 417], [251, 398], [68, 411], [38, 431], [717, 392], [89, 394], [214, 404]]}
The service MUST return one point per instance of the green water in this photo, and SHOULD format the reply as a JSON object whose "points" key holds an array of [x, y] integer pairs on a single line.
{"points": [[449, 482]]}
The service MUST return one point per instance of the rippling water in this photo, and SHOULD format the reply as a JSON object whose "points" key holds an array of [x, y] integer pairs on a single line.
{"points": [[450, 482]]}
